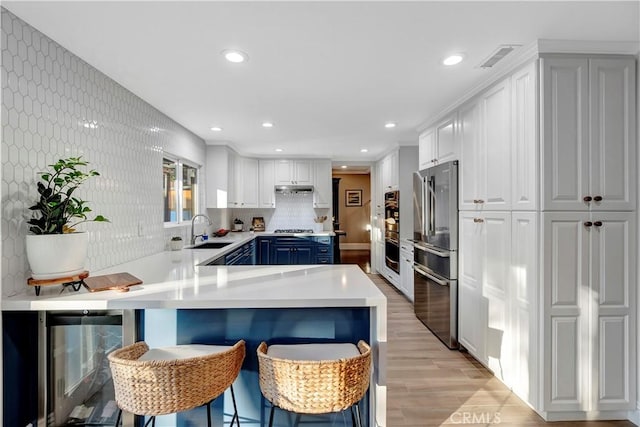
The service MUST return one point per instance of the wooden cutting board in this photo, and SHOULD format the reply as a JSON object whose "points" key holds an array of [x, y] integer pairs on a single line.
{"points": [[118, 282]]}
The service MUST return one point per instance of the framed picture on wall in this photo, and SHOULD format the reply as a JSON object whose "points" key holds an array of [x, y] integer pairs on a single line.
{"points": [[353, 197]]}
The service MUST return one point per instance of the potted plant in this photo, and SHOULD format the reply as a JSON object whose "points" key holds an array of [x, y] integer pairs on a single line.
{"points": [[54, 248], [176, 243]]}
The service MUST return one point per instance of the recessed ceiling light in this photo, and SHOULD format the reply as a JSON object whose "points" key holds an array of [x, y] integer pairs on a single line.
{"points": [[343, 166], [389, 125], [364, 150], [235, 56], [267, 125], [278, 150], [453, 59], [216, 128]]}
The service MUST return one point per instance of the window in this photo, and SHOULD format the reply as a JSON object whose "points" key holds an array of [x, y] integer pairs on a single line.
{"points": [[180, 190]]}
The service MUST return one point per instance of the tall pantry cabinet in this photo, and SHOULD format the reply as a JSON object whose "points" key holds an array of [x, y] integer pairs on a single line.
{"points": [[588, 250], [547, 289]]}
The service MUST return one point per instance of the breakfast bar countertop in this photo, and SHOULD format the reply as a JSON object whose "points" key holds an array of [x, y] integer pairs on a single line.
{"points": [[173, 279]]}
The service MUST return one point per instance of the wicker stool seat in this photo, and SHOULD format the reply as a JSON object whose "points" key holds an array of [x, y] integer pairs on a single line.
{"points": [[315, 378], [173, 379]]}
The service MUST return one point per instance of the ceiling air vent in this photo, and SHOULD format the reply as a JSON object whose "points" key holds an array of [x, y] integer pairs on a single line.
{"points": [[498, 54]]}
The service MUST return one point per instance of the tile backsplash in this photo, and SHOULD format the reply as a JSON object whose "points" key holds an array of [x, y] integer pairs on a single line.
{"points": [[292, 211], [56, 105]]}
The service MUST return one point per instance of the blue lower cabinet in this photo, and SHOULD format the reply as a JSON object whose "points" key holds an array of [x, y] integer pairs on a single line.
{"points": [[295, 250]]}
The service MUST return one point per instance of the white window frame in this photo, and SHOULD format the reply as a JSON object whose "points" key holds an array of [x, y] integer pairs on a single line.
{"points": [[180, 162]]}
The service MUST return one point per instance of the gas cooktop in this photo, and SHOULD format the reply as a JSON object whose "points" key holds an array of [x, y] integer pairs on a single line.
{"points": [[293, 230]]}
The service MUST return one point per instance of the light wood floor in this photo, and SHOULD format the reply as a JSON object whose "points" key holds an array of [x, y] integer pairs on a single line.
{"points": [[430, 385]]}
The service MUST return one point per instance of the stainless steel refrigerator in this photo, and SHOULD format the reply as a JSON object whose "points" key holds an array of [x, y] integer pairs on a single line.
{"points": [[435, 202]]}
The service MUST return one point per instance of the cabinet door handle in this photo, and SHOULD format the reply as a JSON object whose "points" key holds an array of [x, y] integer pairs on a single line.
{"points": [[588, 224], [597, 199], [587, 199], [478, 201], [597, 223], [476, 220]]}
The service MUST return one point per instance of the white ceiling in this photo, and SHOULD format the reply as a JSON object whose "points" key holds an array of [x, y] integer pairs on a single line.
{"points": [[328, 74]]}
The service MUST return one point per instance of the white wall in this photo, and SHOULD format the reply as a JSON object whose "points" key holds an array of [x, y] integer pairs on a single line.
{"points": [[55, 105]]}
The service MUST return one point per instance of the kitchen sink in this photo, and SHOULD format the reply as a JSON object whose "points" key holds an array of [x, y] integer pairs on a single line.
{"points": [[211, 245]]}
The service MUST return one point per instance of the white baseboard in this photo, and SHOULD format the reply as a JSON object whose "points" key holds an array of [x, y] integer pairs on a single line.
{"points": [[634, 416], [354, 246]]}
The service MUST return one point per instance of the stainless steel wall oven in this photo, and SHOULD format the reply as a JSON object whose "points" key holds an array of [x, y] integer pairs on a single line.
{"points": [[391, 230]]}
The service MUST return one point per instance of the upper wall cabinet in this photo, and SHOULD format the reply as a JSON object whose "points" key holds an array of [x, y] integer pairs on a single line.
{"points": [[588, 134], [389, 172], [217, 176], [485, 137], [243, 192], [322, 191], [439, 144], [267, 182], [294, 172]]}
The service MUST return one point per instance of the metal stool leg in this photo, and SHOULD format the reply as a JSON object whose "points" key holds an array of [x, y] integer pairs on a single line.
{"points": [[271, 416], [209, 414], [235, 408], [151, 421], [297, 420], [358, 419], [119, 417], [353, 416]]}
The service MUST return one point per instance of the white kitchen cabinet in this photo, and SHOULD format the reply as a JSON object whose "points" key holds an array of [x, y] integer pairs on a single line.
{"points": [[523, 340], [495, 113], [390, 172], [525, 162], [588, 136], [217, 176], [266, 184], [589, 319], [243, 191], [484, 289], [322, 188], [426, 148], [472, 307], [472, 155], [439, 144], [294, 172], [406, 269], [485, 139]]}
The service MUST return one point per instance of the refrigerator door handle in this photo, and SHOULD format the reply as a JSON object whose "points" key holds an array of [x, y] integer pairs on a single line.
{"points": [[425, 273], [442, 254], [431, 187]]}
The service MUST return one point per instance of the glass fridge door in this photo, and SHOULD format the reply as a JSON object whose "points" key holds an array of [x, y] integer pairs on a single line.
{"points": [[79, 386]]}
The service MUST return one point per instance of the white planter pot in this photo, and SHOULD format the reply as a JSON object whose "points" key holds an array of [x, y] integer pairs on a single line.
{"points": [[52, 256]]}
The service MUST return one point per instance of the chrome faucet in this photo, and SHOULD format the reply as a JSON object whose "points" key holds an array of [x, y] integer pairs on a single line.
{"points": [[193, 236]]}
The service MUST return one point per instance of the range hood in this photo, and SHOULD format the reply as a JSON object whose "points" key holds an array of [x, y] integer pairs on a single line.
{"points": [[288, 189]]}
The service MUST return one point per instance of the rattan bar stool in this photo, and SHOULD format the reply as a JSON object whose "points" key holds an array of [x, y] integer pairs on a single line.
{"points": [[174, 379], [315, 378]]}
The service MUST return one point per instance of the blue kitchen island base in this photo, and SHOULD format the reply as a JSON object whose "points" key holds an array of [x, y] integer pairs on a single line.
{"points": [[165, 327]]}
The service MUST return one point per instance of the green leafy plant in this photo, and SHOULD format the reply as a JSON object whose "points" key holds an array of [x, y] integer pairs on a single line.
{"points": [[57, 211]]}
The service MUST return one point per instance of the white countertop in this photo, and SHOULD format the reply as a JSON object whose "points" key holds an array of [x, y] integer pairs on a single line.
{"points": [[173, 279]]}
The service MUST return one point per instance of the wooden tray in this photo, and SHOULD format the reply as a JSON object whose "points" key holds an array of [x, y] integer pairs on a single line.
{"points": [[118, 282]]}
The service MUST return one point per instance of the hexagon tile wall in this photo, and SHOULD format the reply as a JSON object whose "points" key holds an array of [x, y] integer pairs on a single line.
{"points": [[56, 105]]}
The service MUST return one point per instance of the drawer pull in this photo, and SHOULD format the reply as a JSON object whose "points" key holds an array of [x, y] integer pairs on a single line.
{"points": [[597, 199], [597, 223], [587, 199], [478, 201], [477, 220], [588, 224]]}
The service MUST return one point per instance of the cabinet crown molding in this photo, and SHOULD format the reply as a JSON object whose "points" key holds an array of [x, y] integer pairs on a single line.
{"points": [[528, 53]]}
